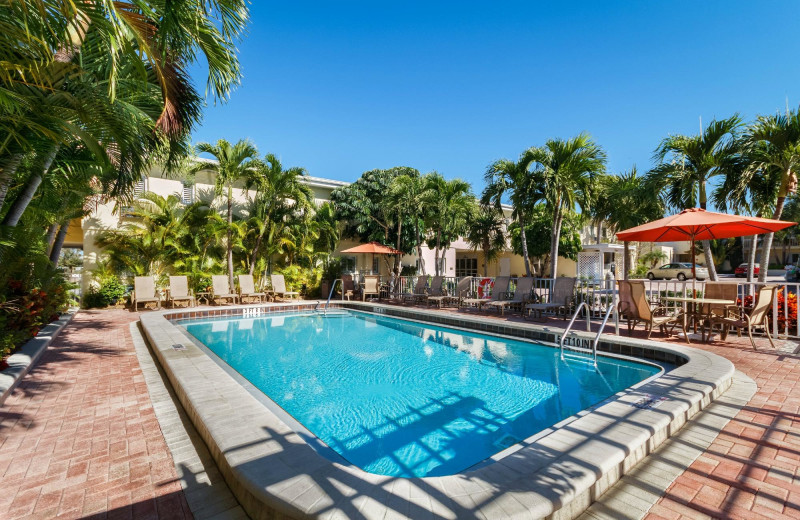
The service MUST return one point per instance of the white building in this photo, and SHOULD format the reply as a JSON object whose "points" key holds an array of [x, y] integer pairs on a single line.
{"points": [[458, 260]]}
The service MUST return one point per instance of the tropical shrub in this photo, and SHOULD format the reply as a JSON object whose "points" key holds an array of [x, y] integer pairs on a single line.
{"points": [[24, 310], [110, 292], [297, 277]]}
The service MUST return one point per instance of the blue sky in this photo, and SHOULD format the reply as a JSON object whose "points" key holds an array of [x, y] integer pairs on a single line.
{"points": [[344, 87]]}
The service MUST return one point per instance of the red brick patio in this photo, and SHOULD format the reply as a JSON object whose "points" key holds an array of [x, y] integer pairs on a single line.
{"points": [[79, 437]]}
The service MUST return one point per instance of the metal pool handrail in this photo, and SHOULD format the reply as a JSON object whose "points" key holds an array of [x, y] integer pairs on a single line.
{"points": [[596, 337], [333, 287]]}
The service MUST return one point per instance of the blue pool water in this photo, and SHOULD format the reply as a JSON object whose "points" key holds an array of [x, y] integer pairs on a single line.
{"points": [[406, 399]]}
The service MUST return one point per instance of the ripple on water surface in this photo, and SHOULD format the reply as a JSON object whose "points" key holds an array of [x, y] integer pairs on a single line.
{"points": [[406, 399]]}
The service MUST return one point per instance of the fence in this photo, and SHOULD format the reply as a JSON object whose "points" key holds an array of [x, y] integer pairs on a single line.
{"points": [[598, 294]]}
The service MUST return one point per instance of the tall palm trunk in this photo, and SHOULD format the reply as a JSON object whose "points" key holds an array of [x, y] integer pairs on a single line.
{"points": [[21, 203], [709, 258], [51, 235], [525, 258], [751, 259], [55, 252], [554, 241], [7, 171], [436, 250], [419, 249], [789, 179], [254, 256], [486, 247], [229, 245]]}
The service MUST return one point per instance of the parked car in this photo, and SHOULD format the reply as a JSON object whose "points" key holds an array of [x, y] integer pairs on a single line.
{"points": [[681, 271], [741, 271]]}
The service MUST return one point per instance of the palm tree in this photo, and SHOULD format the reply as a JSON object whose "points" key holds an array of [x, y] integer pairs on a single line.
{"points": [[234, 162], [513, 179], [688, 163], [410, 195], [112, 60], [773, 145], [565, 169], [328, 229], [486, 231], [634, 204], [277, 190], [450, 202]]}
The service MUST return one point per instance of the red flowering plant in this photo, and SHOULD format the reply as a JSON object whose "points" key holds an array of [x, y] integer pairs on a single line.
{"points": [[28, 305], [787, 309]]}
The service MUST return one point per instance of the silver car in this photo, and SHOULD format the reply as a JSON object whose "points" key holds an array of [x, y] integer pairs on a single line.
{"points": [[681, 271]]}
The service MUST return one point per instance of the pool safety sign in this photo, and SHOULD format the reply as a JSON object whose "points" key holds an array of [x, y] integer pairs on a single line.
{"points": [[648, 402], [574, 341]]}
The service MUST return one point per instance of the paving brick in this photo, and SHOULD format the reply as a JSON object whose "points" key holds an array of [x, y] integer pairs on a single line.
{"points": [[74, 428]]}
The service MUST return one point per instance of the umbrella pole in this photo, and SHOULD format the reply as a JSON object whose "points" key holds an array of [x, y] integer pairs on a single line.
{"points": [[694, 271]]}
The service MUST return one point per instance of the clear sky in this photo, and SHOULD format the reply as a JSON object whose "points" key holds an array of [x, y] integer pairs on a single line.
{"points": [[344, 87]]}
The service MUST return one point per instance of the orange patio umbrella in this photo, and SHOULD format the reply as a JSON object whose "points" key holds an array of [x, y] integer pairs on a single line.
{"points": [[373, 247], [698, 224]]}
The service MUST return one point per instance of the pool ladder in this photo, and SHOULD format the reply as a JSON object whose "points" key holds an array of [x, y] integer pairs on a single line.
{"points": [[588, 328], [330, 295]]}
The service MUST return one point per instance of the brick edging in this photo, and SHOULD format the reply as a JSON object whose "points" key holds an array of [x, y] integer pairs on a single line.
{"points": [[21, 362]]}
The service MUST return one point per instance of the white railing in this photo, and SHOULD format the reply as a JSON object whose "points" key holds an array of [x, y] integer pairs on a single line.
{"points": [[599, 294]]}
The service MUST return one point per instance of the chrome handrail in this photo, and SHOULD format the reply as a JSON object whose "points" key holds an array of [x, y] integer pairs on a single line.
{"points": [[571, 323], [596, 337], [330, 295]]}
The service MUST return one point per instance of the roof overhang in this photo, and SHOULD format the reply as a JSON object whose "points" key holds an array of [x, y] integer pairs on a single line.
{"points": [[606, 248]]}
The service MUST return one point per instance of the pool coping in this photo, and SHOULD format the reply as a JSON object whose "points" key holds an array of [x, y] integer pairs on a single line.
{"points": [[275, 474]]}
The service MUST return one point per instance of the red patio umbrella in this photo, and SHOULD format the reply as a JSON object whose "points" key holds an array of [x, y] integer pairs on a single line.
{"points": [[373, 247], [698, 224]]}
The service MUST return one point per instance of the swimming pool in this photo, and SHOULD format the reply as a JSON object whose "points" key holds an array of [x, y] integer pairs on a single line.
{"points": [[403, 398]]}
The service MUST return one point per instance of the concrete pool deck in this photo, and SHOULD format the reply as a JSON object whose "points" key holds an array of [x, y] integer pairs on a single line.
{"points": [[273, 471], [761, 484]]}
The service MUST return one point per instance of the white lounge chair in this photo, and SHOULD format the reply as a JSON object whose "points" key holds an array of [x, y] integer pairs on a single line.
{"points": [[247, 289], [221, 289], [279, 287], [144, 292], [179, 291]]}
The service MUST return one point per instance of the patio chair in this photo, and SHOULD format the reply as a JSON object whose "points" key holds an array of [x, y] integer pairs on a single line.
{"points": [[522, 295], [372, 286], [247, 289], [722, 291], [635, 308], [436, 289], [279, 287], [179, 291], [461, 292], [561, 297], [221, 289], [144, 292], [418, 292], [758, 317], [499, 292], [348, 286]]}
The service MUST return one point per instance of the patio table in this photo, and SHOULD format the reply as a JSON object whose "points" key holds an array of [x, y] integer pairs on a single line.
{"points": [[700, 309]]}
